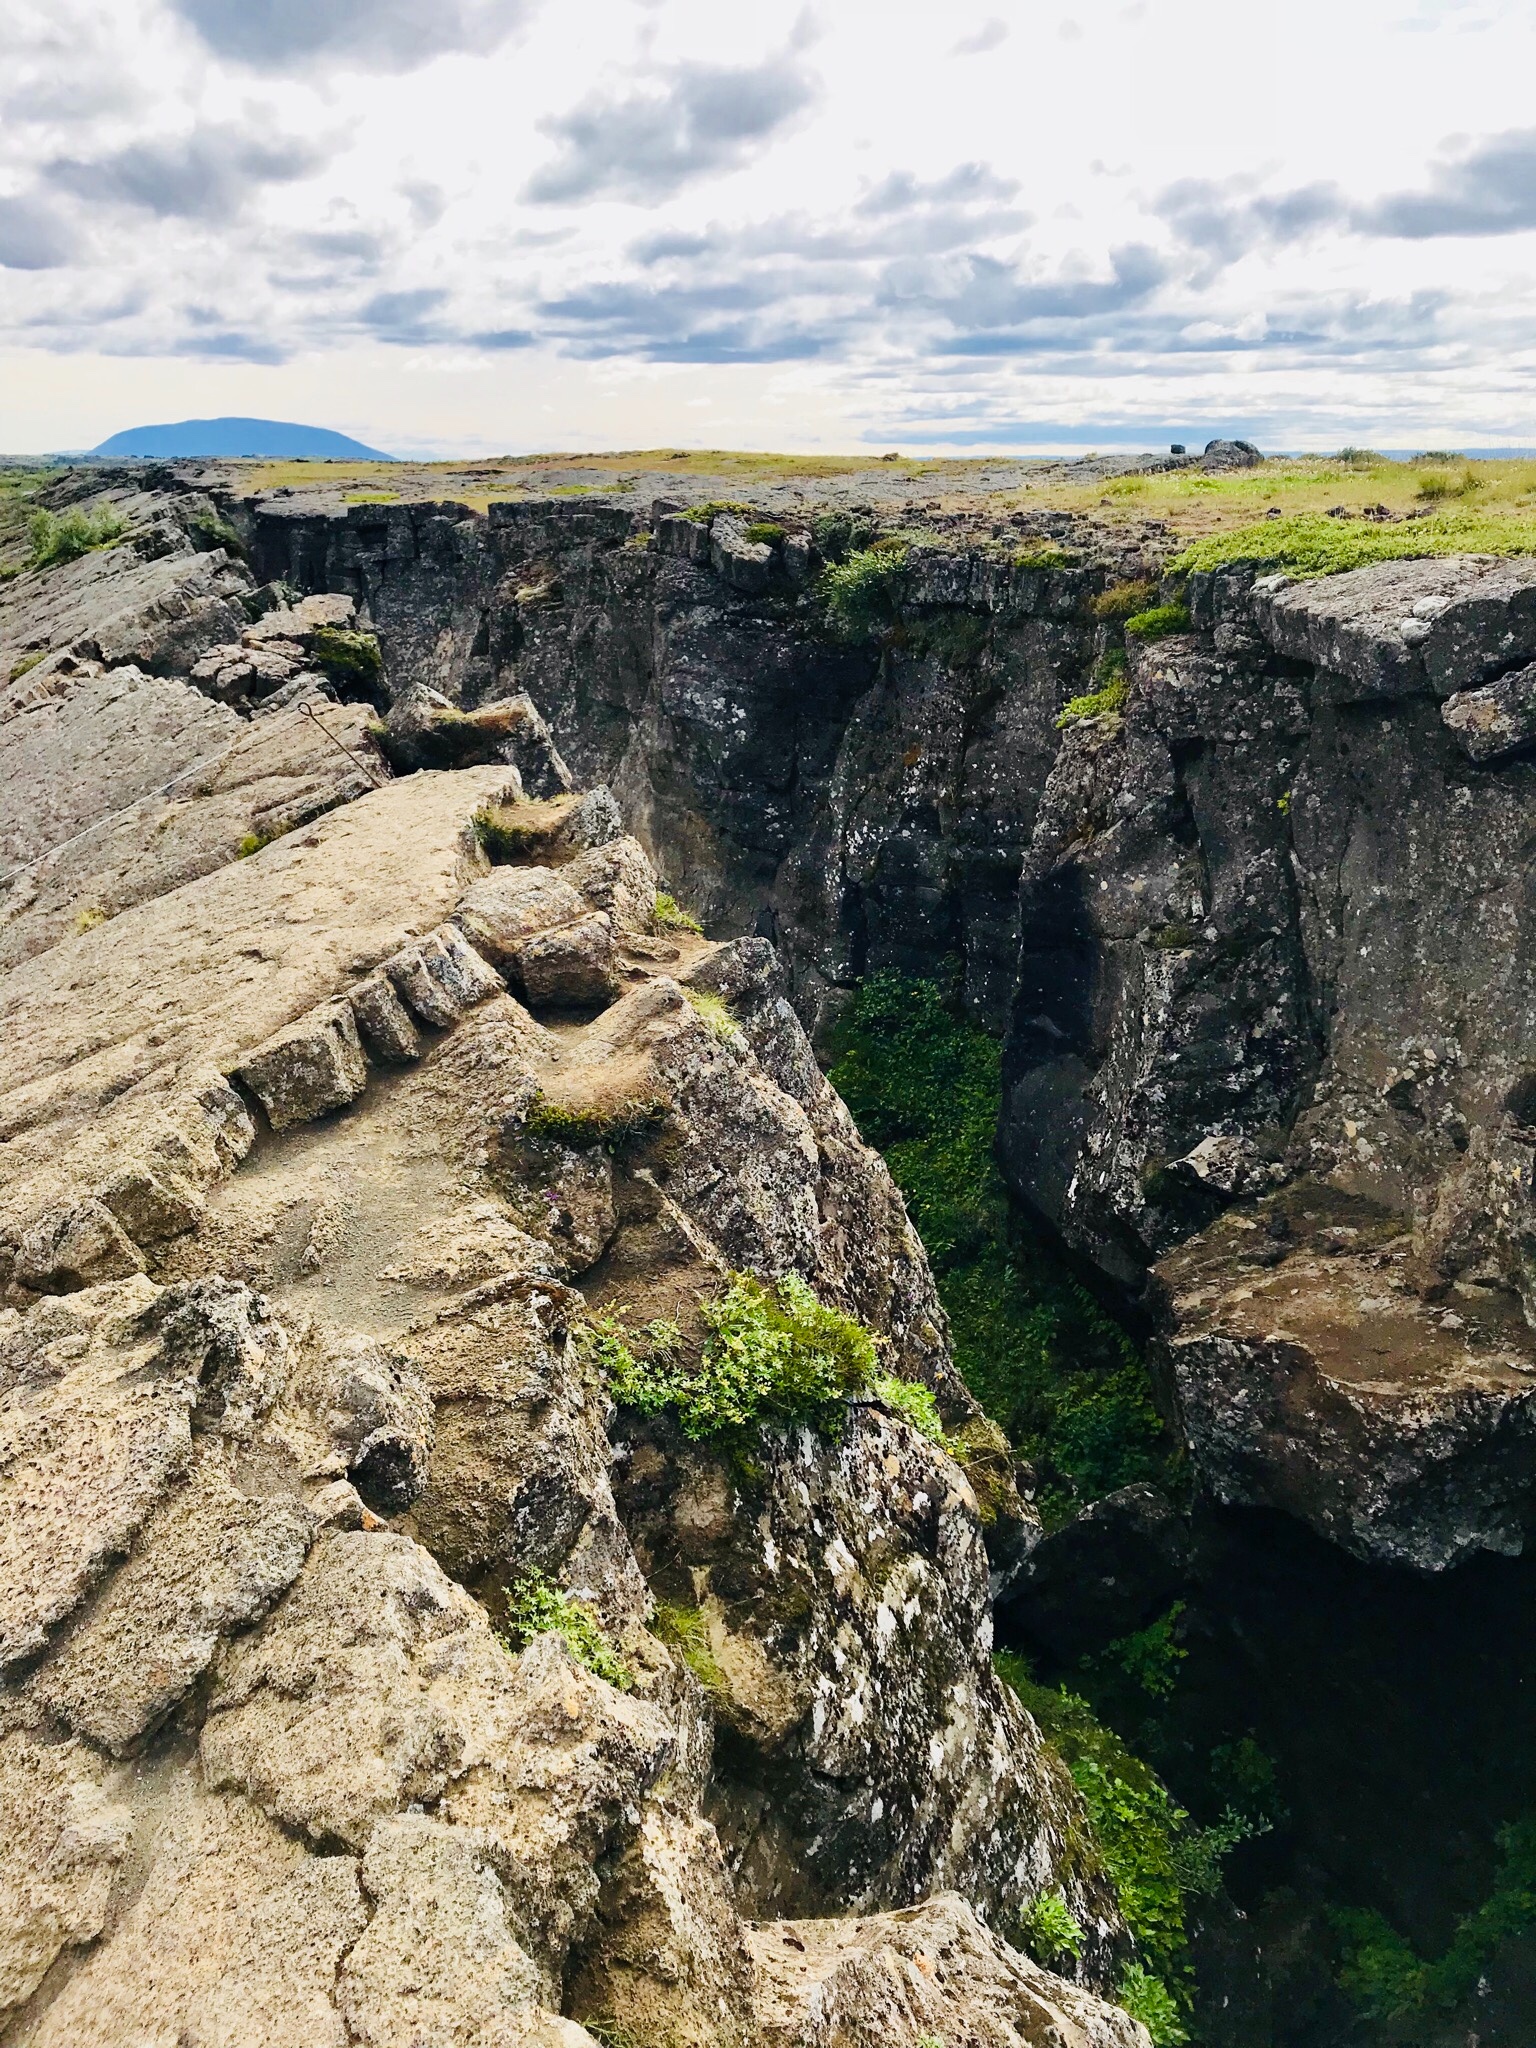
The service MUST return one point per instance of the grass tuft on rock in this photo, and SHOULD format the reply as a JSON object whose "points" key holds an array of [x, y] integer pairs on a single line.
{"points": [[716, 1015], [583, 1127], [347, 656], [668, 915], [536, 1607], [686, 1630], [506, 841], [1157, 622]]}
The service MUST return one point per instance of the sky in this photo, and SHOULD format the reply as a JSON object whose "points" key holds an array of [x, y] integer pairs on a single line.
{"points": [[463, 227]]}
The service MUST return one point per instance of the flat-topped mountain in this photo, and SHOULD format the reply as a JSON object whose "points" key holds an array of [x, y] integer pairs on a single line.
{"points": [[270, 440]]}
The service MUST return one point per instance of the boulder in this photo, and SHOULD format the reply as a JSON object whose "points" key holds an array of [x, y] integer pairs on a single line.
{"points": [[511, 905], [617, 877], [1497, 720], [65, 1835], [312, 1065], [745, 564], [931, 1973], [80, 1246], [570, 967], [383, 1021], [442, 977]]}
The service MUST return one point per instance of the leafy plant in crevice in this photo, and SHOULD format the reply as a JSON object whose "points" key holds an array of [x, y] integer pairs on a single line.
{"points": [[536, 1607], [774, 1355], [1155, 1856], [771, 1354], [1051, 1934], [1385, 1977], [1044, 1360]]}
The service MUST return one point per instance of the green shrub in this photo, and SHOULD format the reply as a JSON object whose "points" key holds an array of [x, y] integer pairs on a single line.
{"points": [[1147, 1660], [348, 656], [1122, 601], [716, 1014], [1382, 1974], [840, 534], [1051, 1934], [669, 916], [766, 532], [1135, 1822], [772, 1355], [1148, 1999], [537, 1608], [26, 664], [56, 538], [924, 1085], [253, 842], [1158, 622], [862, 595], [1047, 555]]}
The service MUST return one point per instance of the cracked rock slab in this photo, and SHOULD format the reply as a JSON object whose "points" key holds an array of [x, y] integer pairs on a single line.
{"points": [[64, 1837], [930, 1973]]}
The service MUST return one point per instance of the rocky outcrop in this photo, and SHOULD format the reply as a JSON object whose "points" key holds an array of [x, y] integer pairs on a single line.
{"points": [[929, 1973], [317, 1156], [1277, 971], [863, 809]]}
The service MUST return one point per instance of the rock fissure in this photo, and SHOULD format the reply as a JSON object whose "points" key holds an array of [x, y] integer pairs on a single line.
{"points": [[408, 1080]]}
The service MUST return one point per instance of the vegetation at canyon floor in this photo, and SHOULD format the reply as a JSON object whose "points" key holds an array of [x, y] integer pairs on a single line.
{"points": [[1040, 1354]]}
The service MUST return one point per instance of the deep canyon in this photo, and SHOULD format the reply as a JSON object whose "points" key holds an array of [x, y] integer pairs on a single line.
{"points": [[367, 1103]]}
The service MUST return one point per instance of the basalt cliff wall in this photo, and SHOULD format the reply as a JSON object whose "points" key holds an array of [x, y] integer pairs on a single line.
{"points": [[1260, 937]]}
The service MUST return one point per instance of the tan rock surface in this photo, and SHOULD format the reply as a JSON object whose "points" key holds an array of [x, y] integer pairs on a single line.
{"points": [[930, 1973], [267, 779], [103, 1034]]}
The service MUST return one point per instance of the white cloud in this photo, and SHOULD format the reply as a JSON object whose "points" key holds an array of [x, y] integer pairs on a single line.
{"points": [[631, 222]]}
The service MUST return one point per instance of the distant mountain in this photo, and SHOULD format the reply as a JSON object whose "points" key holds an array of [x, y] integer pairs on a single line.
{"points": [[269, 438]]}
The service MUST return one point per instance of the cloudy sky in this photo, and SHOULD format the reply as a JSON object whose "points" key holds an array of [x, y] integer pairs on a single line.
{"points": [[473, 226]]}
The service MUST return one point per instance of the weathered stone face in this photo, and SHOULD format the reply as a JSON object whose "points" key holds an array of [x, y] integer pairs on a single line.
{"points": [[836, 1602], [304, 1203]]}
